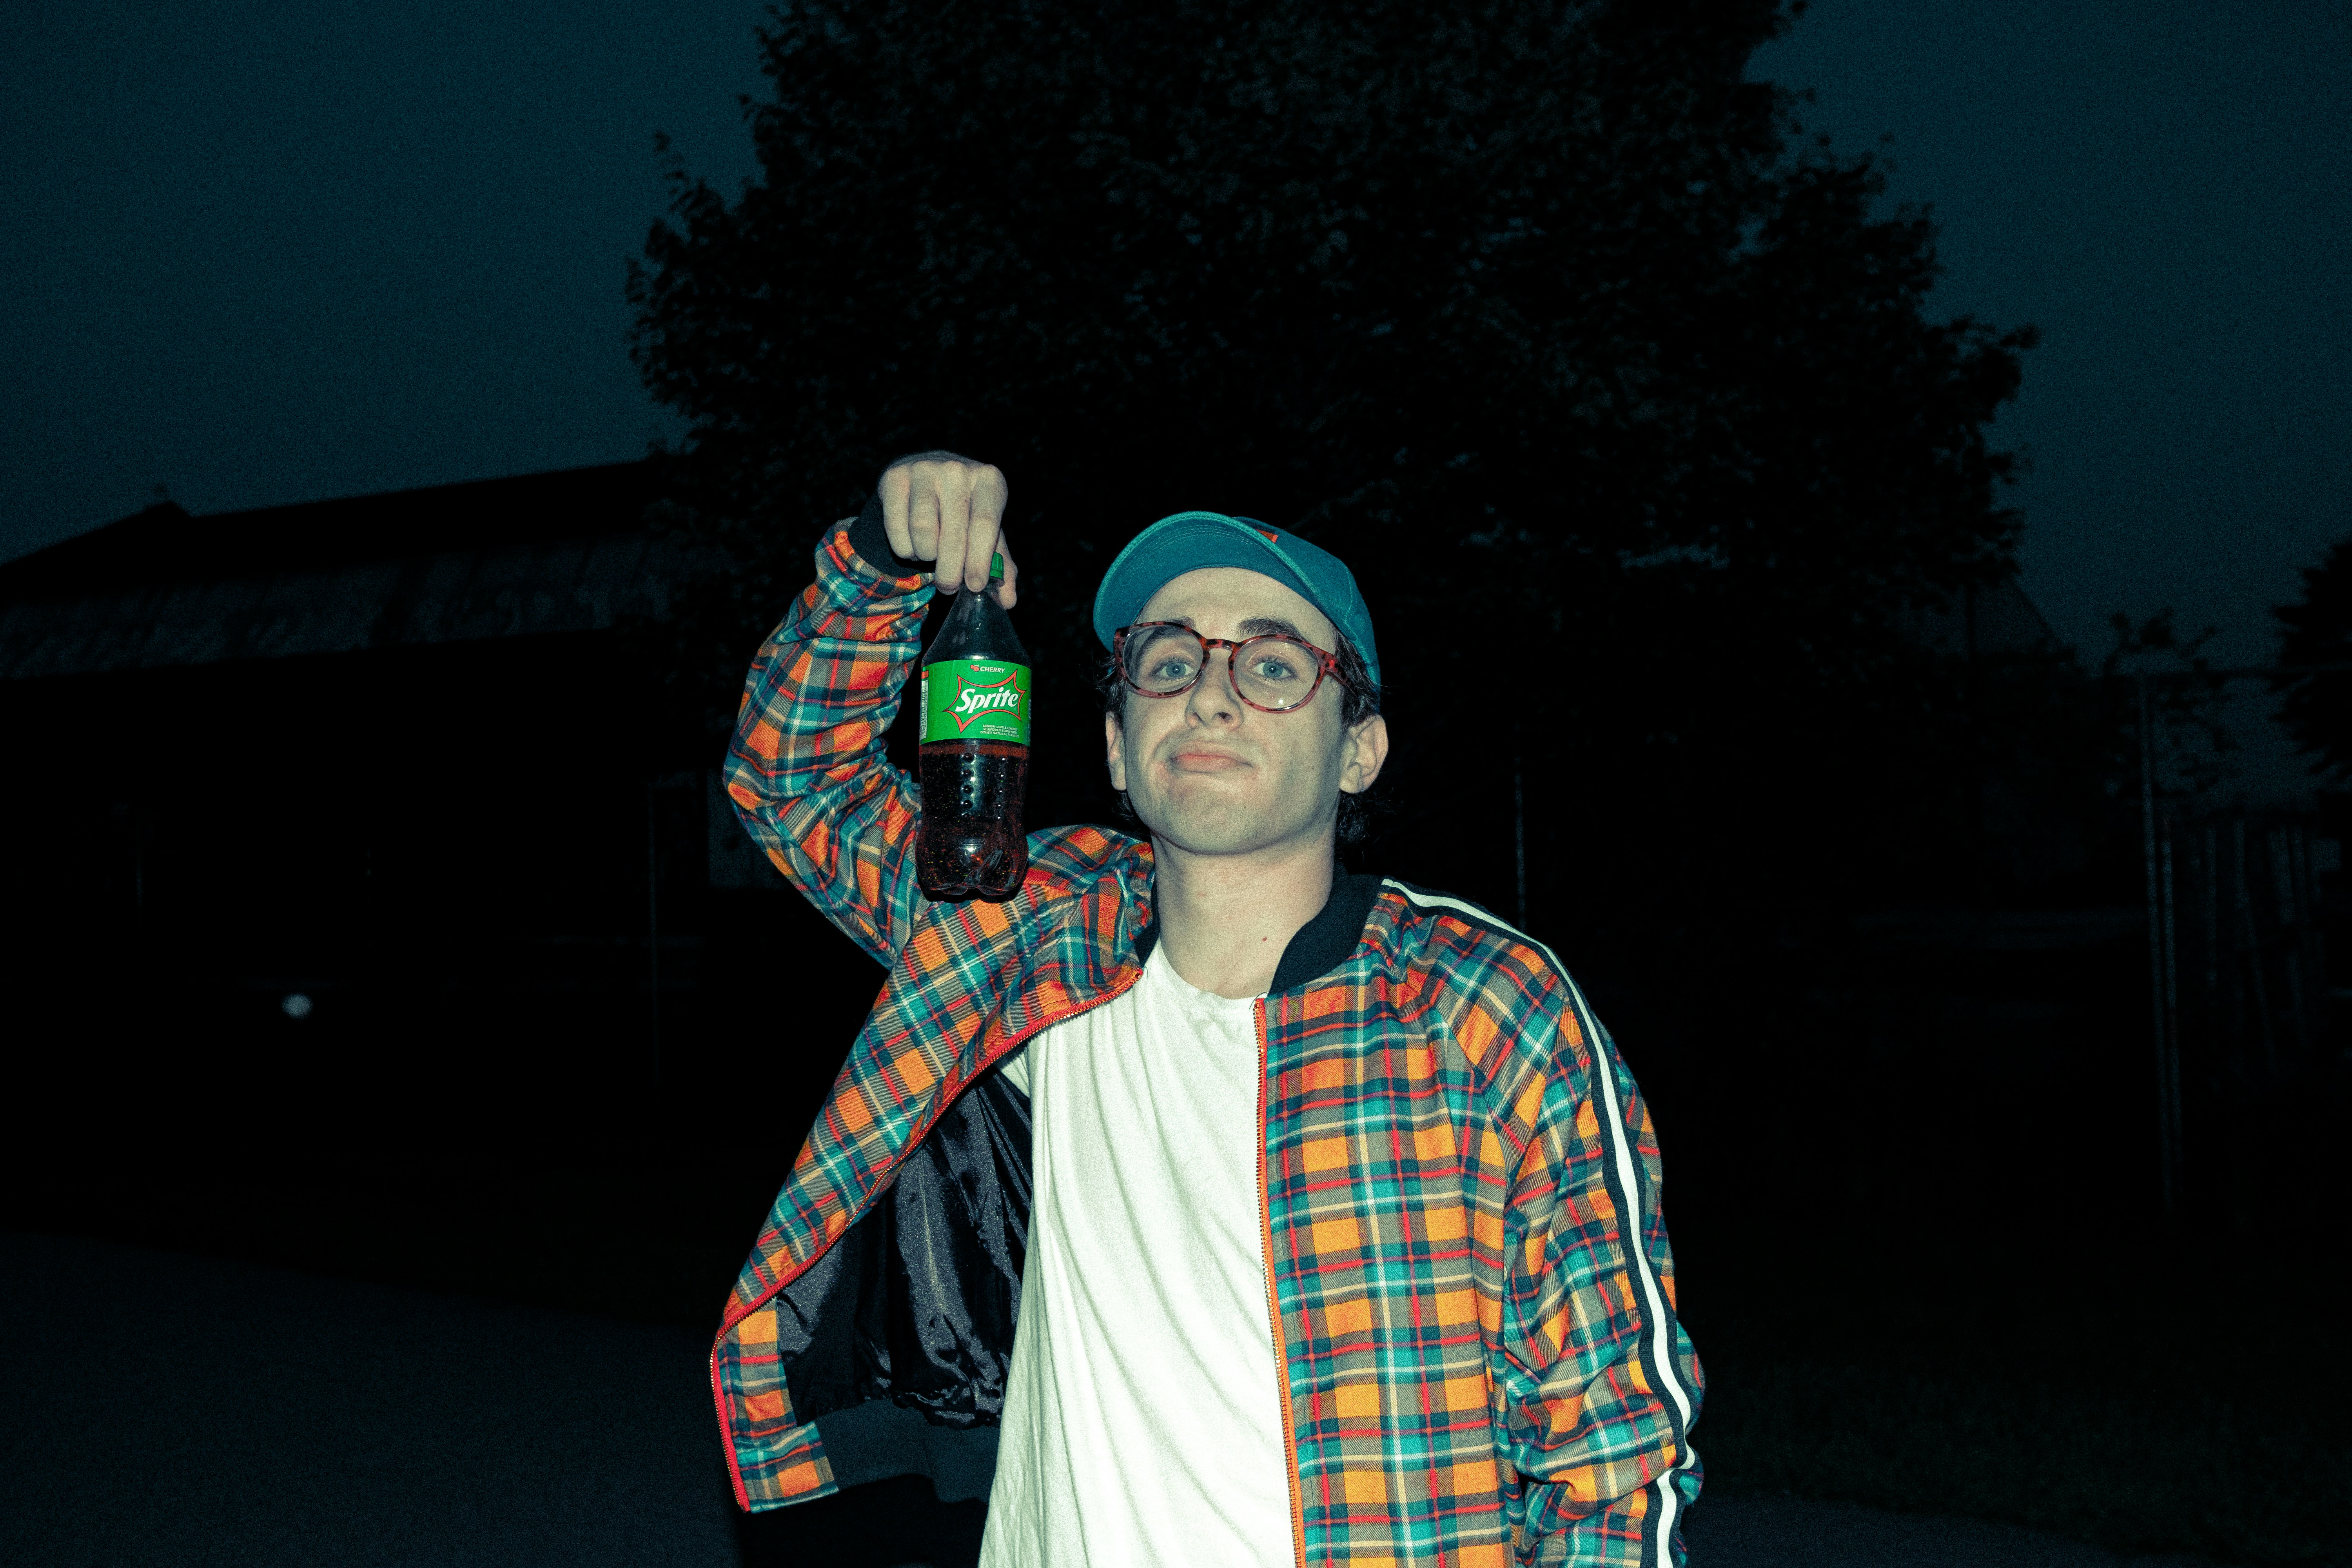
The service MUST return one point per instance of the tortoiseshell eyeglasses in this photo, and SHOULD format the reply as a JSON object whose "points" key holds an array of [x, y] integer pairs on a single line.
{"points": [[1272, 672]]}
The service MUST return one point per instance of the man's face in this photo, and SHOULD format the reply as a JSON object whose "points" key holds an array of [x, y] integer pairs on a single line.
{"points": [[1211, 775]]}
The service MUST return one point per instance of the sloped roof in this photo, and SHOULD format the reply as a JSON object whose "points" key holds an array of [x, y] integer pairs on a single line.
{"points": [[2006, 622], [535, 553]]}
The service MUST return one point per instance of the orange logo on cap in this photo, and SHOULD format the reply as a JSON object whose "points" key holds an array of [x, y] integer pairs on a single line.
{"points": [[1269, 536]]}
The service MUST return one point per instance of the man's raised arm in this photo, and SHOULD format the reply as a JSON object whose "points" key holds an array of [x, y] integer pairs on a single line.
{"points": [[807, 768]]}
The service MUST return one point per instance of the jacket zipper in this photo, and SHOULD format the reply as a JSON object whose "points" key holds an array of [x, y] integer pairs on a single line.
{"points": [[1274, 1311], [719, 1393]]}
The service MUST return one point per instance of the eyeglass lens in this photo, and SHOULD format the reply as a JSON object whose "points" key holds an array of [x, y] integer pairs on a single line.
{"points": [[1269, 671]]}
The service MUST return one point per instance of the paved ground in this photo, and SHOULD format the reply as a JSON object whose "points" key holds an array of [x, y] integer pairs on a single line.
{"points": [[165, 1410]]}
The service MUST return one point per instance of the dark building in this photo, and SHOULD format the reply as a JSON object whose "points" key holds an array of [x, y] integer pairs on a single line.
{"points": [[295, 750], [373, 819]]}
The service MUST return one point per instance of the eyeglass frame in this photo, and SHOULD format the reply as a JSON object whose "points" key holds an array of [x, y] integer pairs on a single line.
{"points": [[1327, 666]]}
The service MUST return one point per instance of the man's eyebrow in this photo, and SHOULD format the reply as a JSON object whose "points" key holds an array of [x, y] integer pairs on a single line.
{"points": [[1256, 627], [1261, 626]]}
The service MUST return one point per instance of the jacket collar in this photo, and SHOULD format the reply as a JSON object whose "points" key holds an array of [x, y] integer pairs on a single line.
{"points": [[1323, 944], [1317, 948]]}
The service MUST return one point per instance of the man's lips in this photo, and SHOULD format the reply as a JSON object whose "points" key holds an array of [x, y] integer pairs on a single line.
{"points": [[1201, 760]]}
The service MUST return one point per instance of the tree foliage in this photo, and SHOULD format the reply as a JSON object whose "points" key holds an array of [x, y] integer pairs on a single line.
{"points": [[1624, 401], [2318, 630], [2196, 754]]}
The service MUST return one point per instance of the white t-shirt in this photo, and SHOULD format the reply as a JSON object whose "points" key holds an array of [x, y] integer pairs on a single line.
{"points": [[1142, 1421]]}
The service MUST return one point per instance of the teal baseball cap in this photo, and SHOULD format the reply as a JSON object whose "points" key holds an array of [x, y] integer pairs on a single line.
{"points": [[1189, 541]]}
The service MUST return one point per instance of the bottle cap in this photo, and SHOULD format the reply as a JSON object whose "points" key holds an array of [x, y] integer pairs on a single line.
{"points": [[996, 568]]}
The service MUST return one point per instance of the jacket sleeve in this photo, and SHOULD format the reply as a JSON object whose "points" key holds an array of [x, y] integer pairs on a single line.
{"points": [[807, 769], [1601, 1382]]}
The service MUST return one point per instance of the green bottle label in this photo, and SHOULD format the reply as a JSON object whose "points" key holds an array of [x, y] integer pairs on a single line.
{"points": [[975, 699]]}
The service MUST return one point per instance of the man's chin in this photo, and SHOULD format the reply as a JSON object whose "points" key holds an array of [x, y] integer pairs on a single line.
{"points": [[1200, 827], [1205, 828]]}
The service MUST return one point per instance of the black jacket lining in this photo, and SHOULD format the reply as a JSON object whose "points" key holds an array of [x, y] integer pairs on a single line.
{"points": [[872, 542]]}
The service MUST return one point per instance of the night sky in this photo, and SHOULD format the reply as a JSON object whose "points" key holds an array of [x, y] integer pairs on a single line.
{"points": [[279, 252]]}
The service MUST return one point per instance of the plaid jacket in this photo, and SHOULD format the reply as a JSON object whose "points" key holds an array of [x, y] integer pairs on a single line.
{"points": [[1470, 1285]]}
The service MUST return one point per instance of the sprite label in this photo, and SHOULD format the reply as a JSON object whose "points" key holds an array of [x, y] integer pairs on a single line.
{"points": [[975, 699]]}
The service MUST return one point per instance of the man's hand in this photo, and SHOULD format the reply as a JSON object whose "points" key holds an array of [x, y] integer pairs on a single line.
{"points": [[941, 507]]}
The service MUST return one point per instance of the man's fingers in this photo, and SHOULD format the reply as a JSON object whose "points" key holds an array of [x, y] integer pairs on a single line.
{"points": [[1004, 593], [987, 510], [955, 531], [923, 519], [947, 509], [896, 489]]}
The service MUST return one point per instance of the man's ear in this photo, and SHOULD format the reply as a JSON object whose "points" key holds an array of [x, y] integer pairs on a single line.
{"points": [[1115, 750], [1367, 749]]}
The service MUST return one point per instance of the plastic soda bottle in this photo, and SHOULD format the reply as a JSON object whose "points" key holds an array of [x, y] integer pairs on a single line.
{"points": [[974, 751]]}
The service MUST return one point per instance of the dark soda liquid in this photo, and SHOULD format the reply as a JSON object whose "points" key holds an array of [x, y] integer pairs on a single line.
{"points": [[970, 844]]}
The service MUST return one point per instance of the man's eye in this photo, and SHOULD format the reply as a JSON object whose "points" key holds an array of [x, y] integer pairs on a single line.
{"points": [[1274, 668], [1172, 668]]}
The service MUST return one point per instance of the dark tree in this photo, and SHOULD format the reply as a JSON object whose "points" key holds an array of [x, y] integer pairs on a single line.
{"points": [[1621, 396], [2317, 709]]}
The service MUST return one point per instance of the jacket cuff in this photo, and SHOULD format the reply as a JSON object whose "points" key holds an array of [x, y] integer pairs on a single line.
{"points": [[872, 542]]}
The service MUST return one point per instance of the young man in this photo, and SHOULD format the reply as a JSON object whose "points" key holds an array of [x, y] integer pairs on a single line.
{"points": [[1327, 1214]]}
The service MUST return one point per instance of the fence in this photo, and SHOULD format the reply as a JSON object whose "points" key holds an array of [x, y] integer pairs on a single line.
{"points": [[2233, 910]]}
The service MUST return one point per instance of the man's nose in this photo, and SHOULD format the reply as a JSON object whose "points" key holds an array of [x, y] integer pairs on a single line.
{"points": [[1212, 697]]}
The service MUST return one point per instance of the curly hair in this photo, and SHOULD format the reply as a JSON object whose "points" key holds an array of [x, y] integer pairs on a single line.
{"points": [[1360, 698]]}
